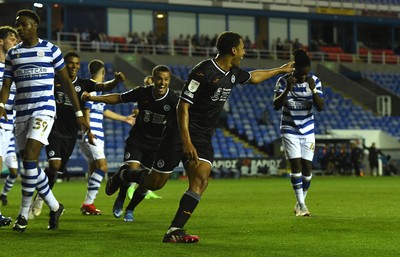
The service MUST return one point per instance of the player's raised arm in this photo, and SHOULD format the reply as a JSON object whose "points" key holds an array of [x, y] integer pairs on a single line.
{"points": [[258, 76], [111, 84], [108, 99]]}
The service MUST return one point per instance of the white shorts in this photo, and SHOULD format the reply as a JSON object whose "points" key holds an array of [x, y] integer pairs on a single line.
{"points": [[296, 146], [37, 128], [92, 152], [5, 139], [11, 160]]}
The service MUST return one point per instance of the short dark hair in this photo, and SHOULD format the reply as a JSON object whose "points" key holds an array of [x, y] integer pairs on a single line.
{"points": [[29, 13], [71, 54], [7, 30], [301, 58], [160, 68], [226, 40], [95, 66]]}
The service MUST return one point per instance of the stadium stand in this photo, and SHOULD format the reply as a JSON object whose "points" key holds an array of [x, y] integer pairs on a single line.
{"points": [[389, 80]]}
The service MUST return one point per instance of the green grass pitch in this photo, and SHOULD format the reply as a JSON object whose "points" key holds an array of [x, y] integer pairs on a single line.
{"points": [[245, 217]]}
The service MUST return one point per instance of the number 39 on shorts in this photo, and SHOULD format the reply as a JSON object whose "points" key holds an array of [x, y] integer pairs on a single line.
{"points": [[40, 124]]}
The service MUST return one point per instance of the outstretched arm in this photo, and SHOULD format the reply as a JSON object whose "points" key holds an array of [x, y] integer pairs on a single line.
{"points": [[258, 76], [111, 84], [130, 119], [108, 99]]}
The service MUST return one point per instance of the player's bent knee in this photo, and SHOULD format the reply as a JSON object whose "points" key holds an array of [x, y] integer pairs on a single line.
{"points": [[156, 182]]}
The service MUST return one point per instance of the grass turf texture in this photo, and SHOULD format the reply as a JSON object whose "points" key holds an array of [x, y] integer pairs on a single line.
{"points": [[246, 217]]}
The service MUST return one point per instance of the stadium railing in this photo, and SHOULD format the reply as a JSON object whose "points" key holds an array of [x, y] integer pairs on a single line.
{"points": [[332, 54]]}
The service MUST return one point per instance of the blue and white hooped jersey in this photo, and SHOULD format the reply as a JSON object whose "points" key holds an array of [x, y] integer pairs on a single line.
{"points": [[32, 69], [297, 113], [9, 106], [96, 117]]}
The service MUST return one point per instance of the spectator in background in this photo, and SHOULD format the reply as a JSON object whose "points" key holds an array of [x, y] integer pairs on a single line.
{"points": [[389, 166], [297, 44], [85, 35], [313, 46], [278, 44], [134, 38], [343, 161], [247, 42], [213, 41], [356, 156], [373, 158]]}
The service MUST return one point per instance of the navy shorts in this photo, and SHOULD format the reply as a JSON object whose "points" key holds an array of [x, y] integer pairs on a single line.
{"points": [[170, 151], [141, 152]]}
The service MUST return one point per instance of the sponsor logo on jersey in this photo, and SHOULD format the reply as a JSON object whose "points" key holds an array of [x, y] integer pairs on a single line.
{"points": [[193, 85], [30, 71], [60, 97], [221, 94]]}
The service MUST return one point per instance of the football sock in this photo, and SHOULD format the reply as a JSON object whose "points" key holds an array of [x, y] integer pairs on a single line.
{"points": [[297, 184], [52, 176], [122, 192], [306, 185], [187, 205], [137, 197], [94, 185], [29, 179], [45, 192], [8, 183]]}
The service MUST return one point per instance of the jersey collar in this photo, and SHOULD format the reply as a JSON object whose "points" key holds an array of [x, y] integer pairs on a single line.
{"points": [[221, 70]]}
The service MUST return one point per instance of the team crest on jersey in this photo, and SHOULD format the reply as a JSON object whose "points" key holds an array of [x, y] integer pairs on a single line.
{"points": [[167, 107], [78, 89], [40, 53], [193, 85], [160, 163], [51, 153], [127, 155], [233, 79], [60, 97]]}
